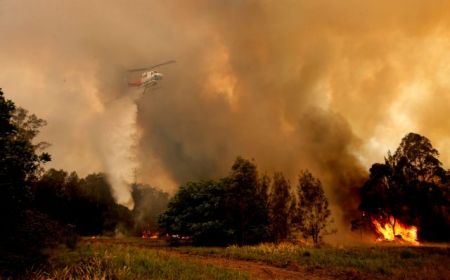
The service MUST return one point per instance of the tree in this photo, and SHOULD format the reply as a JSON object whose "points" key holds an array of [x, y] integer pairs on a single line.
{"points": [[279, 208], [263, 189], [105, 216], [379, 195], [232, 210], [246, 206], [314, 215], [416, 160], [410, 186], [85, 204], [20, 162], [197, 211], [19, 157]]}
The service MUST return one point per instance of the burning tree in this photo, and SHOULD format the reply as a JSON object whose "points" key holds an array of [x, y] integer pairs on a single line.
{"points": [[408, 193]]}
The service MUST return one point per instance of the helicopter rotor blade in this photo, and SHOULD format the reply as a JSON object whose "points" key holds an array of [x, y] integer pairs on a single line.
{"points": [[151, 67]]}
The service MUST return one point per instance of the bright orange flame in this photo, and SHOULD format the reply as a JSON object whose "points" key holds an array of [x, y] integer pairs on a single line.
{"points": [[392, 229]]}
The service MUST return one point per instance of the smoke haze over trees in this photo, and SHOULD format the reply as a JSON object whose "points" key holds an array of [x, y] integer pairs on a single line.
{"points": [[86, 204], [411, 187], [325, 86], [41, 209], [296, 74], [241, 209], [149, 203]]}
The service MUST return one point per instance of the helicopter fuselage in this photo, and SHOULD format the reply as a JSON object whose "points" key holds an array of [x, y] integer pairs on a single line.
{"points": [[147, 79]]}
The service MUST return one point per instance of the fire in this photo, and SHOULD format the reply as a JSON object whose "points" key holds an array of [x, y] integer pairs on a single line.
{"points": [[149, 234], [393, 230]]}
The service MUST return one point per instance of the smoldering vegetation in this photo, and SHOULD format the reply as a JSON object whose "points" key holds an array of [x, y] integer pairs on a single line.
{"points": [[149, 203]]}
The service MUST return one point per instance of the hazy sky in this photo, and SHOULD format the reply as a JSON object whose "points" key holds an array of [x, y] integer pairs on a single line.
{"points": [[326, 85]]}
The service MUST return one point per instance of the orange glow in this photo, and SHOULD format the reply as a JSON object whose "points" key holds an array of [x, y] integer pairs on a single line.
{"points": [[149, 234], [394, 230]]}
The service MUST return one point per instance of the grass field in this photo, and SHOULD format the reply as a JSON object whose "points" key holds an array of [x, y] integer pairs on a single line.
{"points": [[118, 261], [144, 259], [390, 262]]}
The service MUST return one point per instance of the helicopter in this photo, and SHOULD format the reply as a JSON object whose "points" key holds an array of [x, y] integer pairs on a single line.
{"points": [[148, 78]]}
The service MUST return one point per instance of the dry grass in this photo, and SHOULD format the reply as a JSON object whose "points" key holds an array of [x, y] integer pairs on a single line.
{"points": [[118, 261], [393, 262], [144, 259]]}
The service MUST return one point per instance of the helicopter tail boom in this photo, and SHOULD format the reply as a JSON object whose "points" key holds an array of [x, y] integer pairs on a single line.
{"points": [[134, 84]]}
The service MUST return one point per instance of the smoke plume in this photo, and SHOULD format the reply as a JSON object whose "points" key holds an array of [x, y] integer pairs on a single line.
{"points": [[325, 85]]}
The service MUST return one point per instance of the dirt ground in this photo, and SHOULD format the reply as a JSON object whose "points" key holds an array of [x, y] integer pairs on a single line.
{"points": [[261, 270], [255, 269]]}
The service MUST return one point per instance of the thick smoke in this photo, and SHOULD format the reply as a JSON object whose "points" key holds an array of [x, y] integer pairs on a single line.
{"points": [[324, 85]]}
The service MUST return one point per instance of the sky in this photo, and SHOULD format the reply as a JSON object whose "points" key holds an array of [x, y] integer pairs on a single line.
{"points": [[328, 86]]}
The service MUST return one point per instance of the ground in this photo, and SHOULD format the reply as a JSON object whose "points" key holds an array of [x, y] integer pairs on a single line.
{"points": [[134, 258]]}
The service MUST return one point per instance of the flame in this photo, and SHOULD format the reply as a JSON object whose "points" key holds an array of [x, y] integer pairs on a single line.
{"points": [[149, 234], [393, 229]]}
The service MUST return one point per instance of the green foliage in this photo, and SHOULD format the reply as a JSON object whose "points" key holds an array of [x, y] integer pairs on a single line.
{"points": [[314, 215], [246, 211], [244, 208], [198, 211], [230, 210], [412, 187]]}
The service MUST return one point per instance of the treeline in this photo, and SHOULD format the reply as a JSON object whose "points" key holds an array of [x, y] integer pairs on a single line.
{"points": [[41, 209], [87, 205], [24, 231], [245, 208], [410, 187]]}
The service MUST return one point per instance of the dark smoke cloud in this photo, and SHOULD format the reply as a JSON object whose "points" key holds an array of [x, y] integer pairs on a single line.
{"points": [[324, 85]]}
